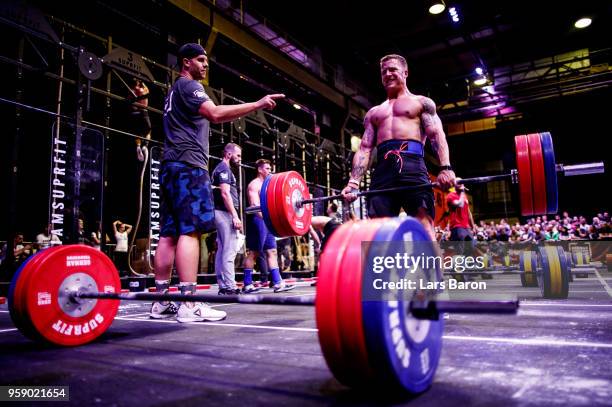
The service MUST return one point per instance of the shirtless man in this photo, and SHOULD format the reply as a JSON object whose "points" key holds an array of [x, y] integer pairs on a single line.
{"points": [[259, 238], [398, 128]]}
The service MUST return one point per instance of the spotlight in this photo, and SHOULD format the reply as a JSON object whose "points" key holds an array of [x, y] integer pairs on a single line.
{"points": [[480, 81], [478, 71], [454, 13], [583, 22], [436, 7], [296, 106]]}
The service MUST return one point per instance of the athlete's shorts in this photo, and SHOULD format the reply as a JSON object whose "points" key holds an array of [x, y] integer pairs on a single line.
{"points": [[461, 234], [187, 202], [329, 228], [399, 163], [467, 243], [258, 237]]}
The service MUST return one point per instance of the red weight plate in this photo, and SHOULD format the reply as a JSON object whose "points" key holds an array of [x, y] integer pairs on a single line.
{"points": [[550, 172], [294, 220], [350, 315], [326, 302], [19, 295], [56, 318], [523, 166], [275, 204], [538, 176], [269, 201]]}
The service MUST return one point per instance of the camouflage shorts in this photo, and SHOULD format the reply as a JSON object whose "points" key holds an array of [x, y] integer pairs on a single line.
{"points": [[187, 201]]}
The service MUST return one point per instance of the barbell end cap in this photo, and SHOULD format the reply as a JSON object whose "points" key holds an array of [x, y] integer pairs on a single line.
{"points": [[514, 176]]}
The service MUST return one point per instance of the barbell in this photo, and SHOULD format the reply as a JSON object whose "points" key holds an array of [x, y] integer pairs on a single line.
{"points": [[549, 267], [285, 199], [67, 295], [545, 266]]}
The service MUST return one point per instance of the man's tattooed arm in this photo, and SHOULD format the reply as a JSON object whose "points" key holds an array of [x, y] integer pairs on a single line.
{"points": [[432, 127], [361, 160]]}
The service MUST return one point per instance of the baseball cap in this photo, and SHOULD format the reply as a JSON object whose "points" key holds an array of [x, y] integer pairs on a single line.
{"points": [[191, 50]]}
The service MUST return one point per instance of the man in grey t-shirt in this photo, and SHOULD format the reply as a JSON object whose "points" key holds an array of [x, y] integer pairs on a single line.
{"points": [[227, 220], [187, 203]]}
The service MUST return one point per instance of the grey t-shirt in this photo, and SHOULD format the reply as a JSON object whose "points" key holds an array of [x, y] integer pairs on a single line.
{"points": [[186, 130], [222, 174]]}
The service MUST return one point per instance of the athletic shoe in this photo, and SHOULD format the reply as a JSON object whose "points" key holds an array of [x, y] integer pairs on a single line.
{"points": [[197, 312], [250, 289], [159, 310], [282, 287], [229, 291]]}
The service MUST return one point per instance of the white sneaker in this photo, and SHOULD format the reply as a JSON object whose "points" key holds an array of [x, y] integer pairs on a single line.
{"points": [[159, 310], [197, 312], [282, 287]]}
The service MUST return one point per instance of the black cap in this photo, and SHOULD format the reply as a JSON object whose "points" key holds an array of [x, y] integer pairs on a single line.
{"points": [[191, 50]]}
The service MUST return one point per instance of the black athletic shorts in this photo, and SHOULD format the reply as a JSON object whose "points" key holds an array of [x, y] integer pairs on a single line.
{"points": [[399, 163]]}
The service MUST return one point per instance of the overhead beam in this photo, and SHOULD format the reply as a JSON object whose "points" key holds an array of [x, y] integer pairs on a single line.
{"points": [[253, 44]]}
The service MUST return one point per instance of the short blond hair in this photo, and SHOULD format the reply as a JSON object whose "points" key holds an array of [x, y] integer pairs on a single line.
{"points": [[397, 57]]}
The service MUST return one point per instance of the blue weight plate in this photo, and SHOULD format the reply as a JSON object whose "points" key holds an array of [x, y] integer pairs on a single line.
{"points": [[550, 169], [14, 312], [404, 351], [566, 272], [552, 279], [263, 203], [18, 292], [544, 273]]}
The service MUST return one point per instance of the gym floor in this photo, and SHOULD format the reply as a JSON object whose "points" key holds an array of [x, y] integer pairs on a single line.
{"points": [[551, 352]]}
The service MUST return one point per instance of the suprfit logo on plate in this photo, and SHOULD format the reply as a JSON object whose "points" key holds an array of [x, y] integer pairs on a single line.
{"points": [[78, 261]]}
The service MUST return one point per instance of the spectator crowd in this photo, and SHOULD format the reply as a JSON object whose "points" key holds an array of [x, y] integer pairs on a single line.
{"points": [[540, 228]]}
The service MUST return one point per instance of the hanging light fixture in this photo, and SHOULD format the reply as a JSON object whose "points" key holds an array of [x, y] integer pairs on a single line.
{"points": [[583, 22], [436, 6]]}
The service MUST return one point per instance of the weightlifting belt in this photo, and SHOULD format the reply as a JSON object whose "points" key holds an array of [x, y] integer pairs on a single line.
{"points": [[395, 148]]}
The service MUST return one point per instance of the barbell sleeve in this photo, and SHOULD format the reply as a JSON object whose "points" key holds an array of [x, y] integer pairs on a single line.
{"points": [[566, 170], [476, 180], [581, 169], [432, 309], [419, 310], [243, 298]]}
